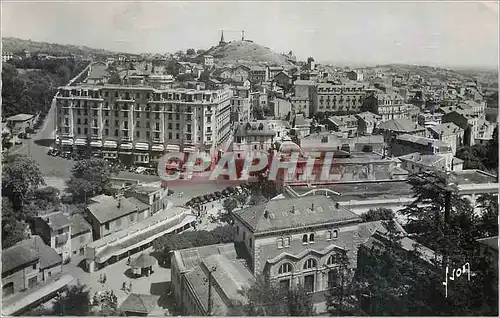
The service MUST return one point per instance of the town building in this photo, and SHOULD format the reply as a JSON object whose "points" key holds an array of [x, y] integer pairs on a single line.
{"points": [[140, 305], [240, 105], [258, 99], [406, 144], [388, 105], [20, 123], [301, 126], [274, 70], [81, 234], [300, 105], [355, 75], [153, 195], [7, 56], [463, 119], [258, 74], [28, 267], [428, 119], [347, 97], [208, 280], [347, 125], [109, 214], [240, 73], [448, 133], [137, 236], [303, 88], [416, 163], [394, 127], [367, 122], [252, 136], [136, 123], [98, 74], [208, 60], [283, 79], [281, 108], [55, 231]]}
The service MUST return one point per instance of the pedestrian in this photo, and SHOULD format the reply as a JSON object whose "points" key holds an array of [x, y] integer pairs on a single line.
{"points": [[129, 261], [130, 286], [104, 279], [124, 286], [100, 278]]}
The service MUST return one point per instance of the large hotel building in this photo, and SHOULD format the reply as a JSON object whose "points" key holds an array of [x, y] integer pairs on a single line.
{"points": [[137, 124]]}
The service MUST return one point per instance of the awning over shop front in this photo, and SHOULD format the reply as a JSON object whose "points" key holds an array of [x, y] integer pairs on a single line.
{"points": [[189, 149], [110, 144], [173, 148], [96, 143], [80, 142], [141, 146], [67, 142], [126, 146], [157, 148]]}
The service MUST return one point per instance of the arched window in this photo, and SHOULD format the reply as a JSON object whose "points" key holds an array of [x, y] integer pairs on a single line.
{"points": [[328, 235], [280, 242], [304, 238], [311, 237], [310, 263], [335, 234], [333, 259], [285, 268]]}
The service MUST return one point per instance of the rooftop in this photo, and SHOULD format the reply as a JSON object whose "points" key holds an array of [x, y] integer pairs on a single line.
{"points": [[98, 71], [422, 140], [20, 117], [473, 177], [139, 303], [445, 129], [191, 257], [400, 125], [79, 225], [426, 160], [18, 255], [107, 208], [292, 213], [57, 221], [48, 256]]}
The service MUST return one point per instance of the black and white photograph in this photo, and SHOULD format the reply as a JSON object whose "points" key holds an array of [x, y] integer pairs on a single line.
{"points": [[249, 158]]}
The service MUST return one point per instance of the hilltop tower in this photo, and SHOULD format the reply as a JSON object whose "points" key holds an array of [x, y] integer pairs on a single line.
{"points": [[222, 42]]}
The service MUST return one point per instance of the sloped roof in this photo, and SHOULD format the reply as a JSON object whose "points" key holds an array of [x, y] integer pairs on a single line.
{"points": [[368, 116], [18, 255], [48, 256], [139, 303], [58, 221], [422, 140], [107, 209], [293, 212], [400, 125], [427, 160], [490, 241], [79, 225], [191, 257], [446, 129], [20, 117]]}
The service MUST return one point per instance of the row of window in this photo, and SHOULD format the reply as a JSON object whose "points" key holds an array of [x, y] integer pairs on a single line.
{"points": [[311, 263], [138, 95], [307, 238]]}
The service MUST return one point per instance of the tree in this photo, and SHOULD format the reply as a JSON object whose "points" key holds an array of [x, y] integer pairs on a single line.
{"points": [[190, 52], [341, 289], [41, 200], [200, 51], [90, 177], [266, 298], [488, 220], [20, 175], [114, 79], [229, 205], [377, 214], [492, 151], [186, 77], [74, 302], [258, 113], [109, 305], [13, 229]]}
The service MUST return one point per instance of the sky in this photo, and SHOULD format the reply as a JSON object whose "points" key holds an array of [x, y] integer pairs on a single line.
{"points": [[458, 34]]}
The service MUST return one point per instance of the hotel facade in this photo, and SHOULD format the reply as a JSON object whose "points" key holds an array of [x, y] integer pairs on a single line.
{"points": [[137, 124]]}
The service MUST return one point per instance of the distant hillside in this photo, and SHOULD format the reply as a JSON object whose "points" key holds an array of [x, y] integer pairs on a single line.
{"points": [[245, 51], [16, 45]]}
